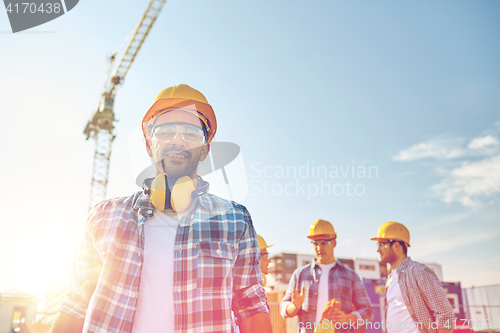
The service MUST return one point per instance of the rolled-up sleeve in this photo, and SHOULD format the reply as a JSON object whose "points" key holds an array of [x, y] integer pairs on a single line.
{"points": [[287, 299], [249, 296], [361, 301], [435, 297]]}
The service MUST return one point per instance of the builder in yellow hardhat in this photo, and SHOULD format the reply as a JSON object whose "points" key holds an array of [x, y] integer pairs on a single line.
{"points": [[414, 295], [322, 280], [264, 257], [158, 257]]}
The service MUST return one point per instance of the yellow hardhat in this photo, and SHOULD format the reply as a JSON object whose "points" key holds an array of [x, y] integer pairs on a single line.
{"points": [[393, 231], [185, 98], [262, 243], [321, 227]]}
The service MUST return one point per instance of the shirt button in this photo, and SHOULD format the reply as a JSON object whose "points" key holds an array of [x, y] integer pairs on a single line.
{"points": [[180, 248], [178, 289], [133, 295], [315, 294], [218, 251]]}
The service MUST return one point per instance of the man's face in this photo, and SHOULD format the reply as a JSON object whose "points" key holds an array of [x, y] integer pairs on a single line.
{"points": [[387, 254], [264, 261], [171, 153], [323, 248]]}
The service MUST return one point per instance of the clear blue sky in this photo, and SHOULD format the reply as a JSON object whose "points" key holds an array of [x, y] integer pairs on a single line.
{"points": [[411, 89]]}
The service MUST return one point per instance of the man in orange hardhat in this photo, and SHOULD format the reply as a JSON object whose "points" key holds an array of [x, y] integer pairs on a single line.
{"points": [[179, 108], [173, 257], [415, 300], [264, 257], [322, 280]]}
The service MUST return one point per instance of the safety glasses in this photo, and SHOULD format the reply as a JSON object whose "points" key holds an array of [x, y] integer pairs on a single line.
{"points": [[168, 132]]}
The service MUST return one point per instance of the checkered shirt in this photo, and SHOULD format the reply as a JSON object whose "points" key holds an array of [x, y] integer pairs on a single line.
{"points": [[216, 266], [424, 297], [344, 286]]}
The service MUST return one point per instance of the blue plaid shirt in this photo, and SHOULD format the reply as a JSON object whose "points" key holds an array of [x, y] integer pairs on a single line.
{"points": [[344, 286], [216, 266]]}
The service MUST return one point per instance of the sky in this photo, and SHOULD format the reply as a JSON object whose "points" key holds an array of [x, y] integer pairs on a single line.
{"points": [[353, 112]]}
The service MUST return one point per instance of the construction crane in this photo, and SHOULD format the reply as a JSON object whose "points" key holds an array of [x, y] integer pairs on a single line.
{"points": [[100, 126]]}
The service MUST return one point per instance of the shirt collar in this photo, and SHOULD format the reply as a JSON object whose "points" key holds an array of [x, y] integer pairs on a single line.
{"points": [[314, 264], [403, 265], [205, 202], [144, 202]]}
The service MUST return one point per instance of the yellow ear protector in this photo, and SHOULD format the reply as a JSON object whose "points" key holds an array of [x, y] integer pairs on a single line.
{"points": [[179, 197]]}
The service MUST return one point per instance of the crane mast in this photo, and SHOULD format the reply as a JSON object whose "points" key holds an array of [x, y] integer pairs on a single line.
{"points": [[101, 124]]}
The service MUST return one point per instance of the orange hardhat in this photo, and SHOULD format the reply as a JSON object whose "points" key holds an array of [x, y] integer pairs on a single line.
{"points": [[262, 243], [181, 98], [321, 227], [393, 231]]}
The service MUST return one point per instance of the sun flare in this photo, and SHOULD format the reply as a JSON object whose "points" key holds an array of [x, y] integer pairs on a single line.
{"points": [[45, 255]]}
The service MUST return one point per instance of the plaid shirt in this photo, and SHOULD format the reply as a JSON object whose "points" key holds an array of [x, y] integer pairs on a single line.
{"points": [[424, 297], [216, 266], [344, 286]]}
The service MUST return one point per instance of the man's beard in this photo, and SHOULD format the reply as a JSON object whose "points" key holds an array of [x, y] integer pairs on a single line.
{"points": [[388, 258], [173, 171]]}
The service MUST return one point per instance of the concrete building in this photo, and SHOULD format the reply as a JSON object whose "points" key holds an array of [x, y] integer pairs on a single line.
{"points": [[16, 309]]}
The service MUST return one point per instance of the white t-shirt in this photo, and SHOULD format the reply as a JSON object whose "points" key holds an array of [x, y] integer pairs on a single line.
{"points": [[323, 289], [155, 303], [399, 319]]}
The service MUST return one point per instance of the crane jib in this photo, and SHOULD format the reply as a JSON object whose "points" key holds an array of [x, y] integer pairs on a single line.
{"points": [[100, 126]]}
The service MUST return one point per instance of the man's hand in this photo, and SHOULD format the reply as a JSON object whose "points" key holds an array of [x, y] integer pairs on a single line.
{"points": [[297, 300], [261, 323], [338, 316]]}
